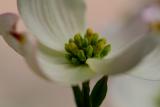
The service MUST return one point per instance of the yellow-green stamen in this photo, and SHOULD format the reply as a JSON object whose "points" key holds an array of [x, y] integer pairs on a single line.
{"points": [[79, 49]]}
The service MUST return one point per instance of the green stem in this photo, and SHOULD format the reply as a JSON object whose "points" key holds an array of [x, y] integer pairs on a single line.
{"points": [[84, 98], [86, 94], [78, 96]]}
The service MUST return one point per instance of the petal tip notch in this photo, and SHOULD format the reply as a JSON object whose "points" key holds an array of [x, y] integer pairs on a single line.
{"points": [[8, 22]]}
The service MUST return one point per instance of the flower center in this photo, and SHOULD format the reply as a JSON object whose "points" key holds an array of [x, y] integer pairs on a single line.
{"points": [[155, 26], [80, 48]]}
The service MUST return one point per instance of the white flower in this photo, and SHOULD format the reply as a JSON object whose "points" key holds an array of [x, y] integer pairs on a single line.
{"points": [[53, 22], [133, 91]]}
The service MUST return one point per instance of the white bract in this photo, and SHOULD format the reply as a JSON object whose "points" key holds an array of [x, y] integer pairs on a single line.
{"points": [[133, 91], [53, 22]]}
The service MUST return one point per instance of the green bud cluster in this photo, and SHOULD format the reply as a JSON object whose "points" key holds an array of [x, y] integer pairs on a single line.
{"points": [[79, 49]]}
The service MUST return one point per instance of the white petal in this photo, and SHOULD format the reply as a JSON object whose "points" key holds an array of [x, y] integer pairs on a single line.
{"points": [[127, 59], [23, 43], [127, 91], [132, 24], [8, 23], [149, 67], [53, 21], [45, 62], [29, 51], [121, 34], [55, 66]]}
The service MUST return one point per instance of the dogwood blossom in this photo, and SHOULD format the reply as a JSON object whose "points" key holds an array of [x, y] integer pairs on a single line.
{"points": [[52, 22], [140, 88]]}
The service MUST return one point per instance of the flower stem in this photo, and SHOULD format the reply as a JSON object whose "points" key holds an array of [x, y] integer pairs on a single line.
{"points": [[78, 96], [84, 98], [86, 94]]}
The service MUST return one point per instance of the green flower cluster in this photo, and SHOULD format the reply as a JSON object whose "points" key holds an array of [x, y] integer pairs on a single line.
{"points": [[79, 49]]}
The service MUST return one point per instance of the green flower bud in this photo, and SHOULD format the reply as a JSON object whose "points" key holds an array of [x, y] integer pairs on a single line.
{"points": [[67, 47], [90, 46], [85, 42], [89, 51], [105, 51], [94, 39], [102, 41], [71, 40], [89, 32], [71, 47], [96, 51], [78, 40], [81, 55], [89, 35]]}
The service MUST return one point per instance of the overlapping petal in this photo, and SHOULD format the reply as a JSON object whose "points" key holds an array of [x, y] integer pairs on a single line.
{"points": [[145, 67], [149, 67], [53, 21], [21, 42], [130, 57], [8, 23], [121, 35], [57, 68], [128, 44], [45, 62]]}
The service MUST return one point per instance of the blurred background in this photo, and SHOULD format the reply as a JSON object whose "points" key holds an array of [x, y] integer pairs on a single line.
{"points": [[19, 87]]}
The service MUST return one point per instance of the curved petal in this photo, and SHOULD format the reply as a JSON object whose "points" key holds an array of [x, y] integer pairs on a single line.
{"points": [[54, 65], [130, 57], [44, 61], [121, 34], [149, 66], [53, 21], [8, 23], [23, 43], [132, 24]]}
